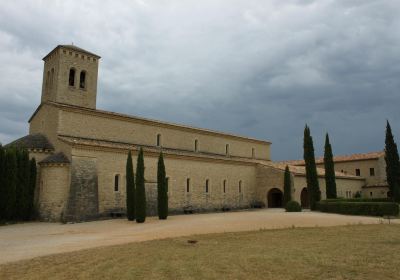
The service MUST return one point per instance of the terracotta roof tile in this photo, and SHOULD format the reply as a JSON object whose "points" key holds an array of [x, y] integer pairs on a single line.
{"points": [[340, 158]]}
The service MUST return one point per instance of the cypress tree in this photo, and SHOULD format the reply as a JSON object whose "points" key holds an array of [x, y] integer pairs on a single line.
{"points": [[19, 201], [22, 187], [10, 183], [140, 196], [392, 164], [2, 185], [311, 169], [32, 186], [130, 189], [287, 187], [162, 192], [330, 179]]}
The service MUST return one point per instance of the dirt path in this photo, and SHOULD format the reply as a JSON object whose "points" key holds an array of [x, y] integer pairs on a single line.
{"points": [[24, 241]]}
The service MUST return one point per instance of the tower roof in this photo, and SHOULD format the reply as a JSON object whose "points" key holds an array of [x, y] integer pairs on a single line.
{"points": [[74, 48]]}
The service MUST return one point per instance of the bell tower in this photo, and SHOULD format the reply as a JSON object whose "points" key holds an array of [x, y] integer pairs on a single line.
{"points": [[70, 76]]}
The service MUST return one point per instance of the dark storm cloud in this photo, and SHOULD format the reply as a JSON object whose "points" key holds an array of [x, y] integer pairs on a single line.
{"points": [[258, 68]]}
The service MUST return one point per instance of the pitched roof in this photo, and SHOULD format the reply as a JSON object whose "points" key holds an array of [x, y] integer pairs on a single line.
{"points": [[56, 158], [32, 141], [74, 48], [301, 170], [340, 158]]}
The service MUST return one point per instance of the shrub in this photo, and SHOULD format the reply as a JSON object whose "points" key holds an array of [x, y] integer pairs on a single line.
{"points": [[293, 206], [359, 208], [257, 204]]}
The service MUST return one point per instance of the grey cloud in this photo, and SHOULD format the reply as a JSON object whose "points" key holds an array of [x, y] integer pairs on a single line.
{"points": [[259, 68]]}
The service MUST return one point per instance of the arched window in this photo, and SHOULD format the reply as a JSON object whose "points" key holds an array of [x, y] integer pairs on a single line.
{"points": [[71, 80], [116, 182], [224, 186], [207, 185], [82, 80], [227, 149], [196, 145], [158, 140], [240, 186], [188, 185]]}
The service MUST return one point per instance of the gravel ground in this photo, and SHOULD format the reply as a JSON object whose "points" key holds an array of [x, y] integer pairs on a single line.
{"points": [[29, 240]]}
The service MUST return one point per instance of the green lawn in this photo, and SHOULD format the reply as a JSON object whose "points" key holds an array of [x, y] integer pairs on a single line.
{"points": [[347, 252]]}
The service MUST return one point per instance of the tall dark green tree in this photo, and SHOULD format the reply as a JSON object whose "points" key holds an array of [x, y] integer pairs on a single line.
{"points": [[22, 187], [10, 183], [392, 164], [287, 187], [130, 189], [32, 187], [162, 191], [140, 196], [2, 185], [330, 178], [311, 169]]}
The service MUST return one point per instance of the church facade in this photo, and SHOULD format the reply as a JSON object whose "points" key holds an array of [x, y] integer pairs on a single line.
{"points": [[81, 153]]}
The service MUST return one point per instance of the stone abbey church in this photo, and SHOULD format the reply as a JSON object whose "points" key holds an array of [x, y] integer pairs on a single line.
{"points": [[81, 153]]}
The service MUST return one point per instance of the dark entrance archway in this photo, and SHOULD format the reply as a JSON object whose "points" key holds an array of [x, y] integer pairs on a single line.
{"points": [[275, 197], [305, 201]]}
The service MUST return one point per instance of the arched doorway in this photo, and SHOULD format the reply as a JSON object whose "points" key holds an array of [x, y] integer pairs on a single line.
{"points": [[305, 201], [275, 197]]}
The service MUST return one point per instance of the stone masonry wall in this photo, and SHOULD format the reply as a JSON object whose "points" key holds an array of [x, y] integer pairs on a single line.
{"points": [[111, 163], [83, 202], [53, 191]]}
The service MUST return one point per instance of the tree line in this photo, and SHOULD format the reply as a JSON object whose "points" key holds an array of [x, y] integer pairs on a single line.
{"points": [[17, 184], [136, 193], [392, 169]]}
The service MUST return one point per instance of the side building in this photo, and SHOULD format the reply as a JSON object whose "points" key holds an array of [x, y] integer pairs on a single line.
{"points": [[369, 166]]}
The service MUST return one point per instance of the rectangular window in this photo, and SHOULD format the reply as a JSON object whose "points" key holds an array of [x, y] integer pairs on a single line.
{"points": [[371, 172], [253, 153], [227, 149], [240, 186], [187, 185], [370, 194], [224, 186], [207, 181], [358, 172], [116, 182], [158, 140]]}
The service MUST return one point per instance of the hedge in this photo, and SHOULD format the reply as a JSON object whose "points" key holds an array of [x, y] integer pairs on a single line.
{"points": [[359, 208], [383, 199]]}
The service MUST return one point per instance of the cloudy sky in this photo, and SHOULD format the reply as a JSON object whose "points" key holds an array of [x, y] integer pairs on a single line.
{"points": [[257, 68]]}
